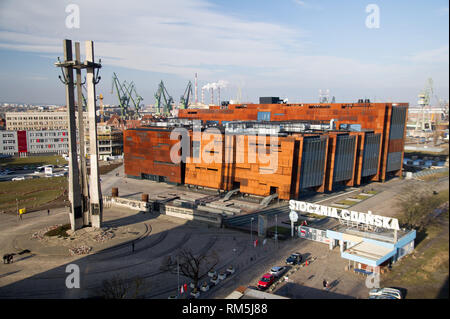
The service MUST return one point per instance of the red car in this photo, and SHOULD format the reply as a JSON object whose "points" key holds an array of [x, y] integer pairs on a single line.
{"points": [[266, 281]]}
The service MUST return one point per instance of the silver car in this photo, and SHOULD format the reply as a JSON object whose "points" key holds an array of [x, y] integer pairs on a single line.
{"points": [[277, 271]]}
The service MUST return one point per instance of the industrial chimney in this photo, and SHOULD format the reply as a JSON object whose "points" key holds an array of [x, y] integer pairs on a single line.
{"points": [[196, 90], [218, 93]]}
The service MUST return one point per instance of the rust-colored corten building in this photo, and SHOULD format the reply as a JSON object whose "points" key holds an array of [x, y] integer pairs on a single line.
{"points": [[147, 155], [387, 119], [316, 148]]}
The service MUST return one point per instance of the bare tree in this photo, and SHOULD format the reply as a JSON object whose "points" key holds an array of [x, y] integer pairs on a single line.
{"points": [[190, 265], [417, 207], [118, 288]]}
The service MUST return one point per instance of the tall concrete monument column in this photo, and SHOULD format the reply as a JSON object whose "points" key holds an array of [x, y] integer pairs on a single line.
{"points": [[81, 139], [95, 194], [75, 214]]}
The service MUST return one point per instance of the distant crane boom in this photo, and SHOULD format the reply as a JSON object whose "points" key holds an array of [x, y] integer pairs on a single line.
{"points": [[162, 93], [184, 100], [126, 93]]}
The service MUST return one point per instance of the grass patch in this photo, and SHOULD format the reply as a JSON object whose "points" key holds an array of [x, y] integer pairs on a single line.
{"points": [[372, 192], [31, 193], [347, 202], [432, 177], [104, 169], [12, 162], [59, 231], [360, 197], [424, 271]]}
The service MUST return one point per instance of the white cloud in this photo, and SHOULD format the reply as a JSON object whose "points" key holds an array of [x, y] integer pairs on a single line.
{"points": [[439, 55], [300, 3], [182, 37], [443, 11]]}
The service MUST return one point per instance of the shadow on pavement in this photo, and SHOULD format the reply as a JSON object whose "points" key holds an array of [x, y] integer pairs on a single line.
{"points": [[296, 291]]}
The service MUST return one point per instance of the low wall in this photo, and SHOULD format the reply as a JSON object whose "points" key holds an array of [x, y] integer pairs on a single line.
{"points": [[109, 201], [191, 214]]}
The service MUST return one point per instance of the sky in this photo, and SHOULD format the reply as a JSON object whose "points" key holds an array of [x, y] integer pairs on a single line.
{"points": [[286, 48]]}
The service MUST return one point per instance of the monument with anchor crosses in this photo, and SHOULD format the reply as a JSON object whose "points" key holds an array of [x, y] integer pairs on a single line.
{"points": [[85, 196]]}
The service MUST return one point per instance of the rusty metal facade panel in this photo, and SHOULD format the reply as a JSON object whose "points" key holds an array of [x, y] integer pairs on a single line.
{"points": [[313, 162], [147, 155], [205, 165], [371, 154], [344, 158], [263, 177]]}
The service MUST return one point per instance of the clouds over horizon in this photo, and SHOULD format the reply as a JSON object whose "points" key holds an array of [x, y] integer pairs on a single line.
{"points": [[181, 37]]}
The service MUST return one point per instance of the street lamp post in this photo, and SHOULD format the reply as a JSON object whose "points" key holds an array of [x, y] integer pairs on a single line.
{"points": [[276, 229], [178, 278], [251, 229]]}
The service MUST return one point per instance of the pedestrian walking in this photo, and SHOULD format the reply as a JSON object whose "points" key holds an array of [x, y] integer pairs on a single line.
{"points": [[328, 286], [324, 283], [48, 212]]}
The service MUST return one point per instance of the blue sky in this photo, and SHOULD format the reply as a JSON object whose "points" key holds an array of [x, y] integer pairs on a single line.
{"points": [[289, 48]]}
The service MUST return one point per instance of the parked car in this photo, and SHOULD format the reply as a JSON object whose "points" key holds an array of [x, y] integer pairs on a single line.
{"points": [[222, 275], [215, 280], [39, 170], [20, 178], [212, 273], [204, 287], [266, 281], [230, 270], [386, 292], [278, 271], [195, 293], [294, 259]]}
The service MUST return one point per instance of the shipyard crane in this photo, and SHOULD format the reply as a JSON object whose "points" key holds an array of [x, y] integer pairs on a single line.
{"points": [[424, 102], [184, 100], [84, 98], [167, 103], [123, 97], [137, 100]]}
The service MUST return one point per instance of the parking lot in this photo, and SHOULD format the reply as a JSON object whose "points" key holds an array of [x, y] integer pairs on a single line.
{"points": [[29, 172]]}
